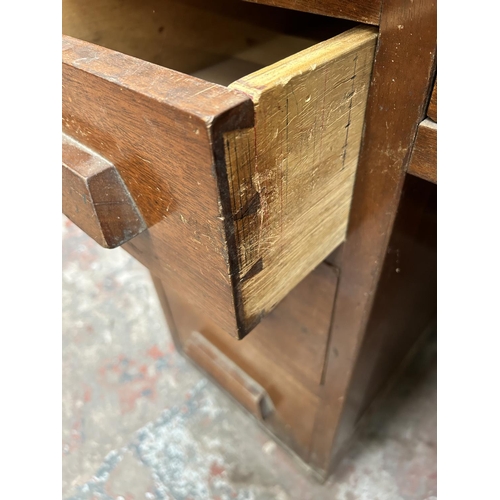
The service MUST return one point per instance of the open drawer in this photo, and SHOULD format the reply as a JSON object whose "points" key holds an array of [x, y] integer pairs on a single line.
{"points": [[235, 192]]}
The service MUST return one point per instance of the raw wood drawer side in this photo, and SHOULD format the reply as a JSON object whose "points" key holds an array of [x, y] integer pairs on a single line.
{"points": [[291, 176]]}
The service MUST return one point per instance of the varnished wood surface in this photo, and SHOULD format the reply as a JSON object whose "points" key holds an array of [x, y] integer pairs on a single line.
{"points": [[363, 11], [95, 197], [112, 103], [423, 162], [401, 84], [291, 176], [404, 305], [295, 334], [284, 354], [432, 110]]}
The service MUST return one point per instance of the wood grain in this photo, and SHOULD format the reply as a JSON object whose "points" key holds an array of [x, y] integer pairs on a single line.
{"points": [[363, 11], [229, 376], [423, 161], [291, 176], [401, 82], [295, 334], [112, 103], [95, 197], [404, 305], [432, 110], [284, 354]]}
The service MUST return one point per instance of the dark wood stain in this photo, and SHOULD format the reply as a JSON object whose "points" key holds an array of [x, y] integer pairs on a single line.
{"points": [[254, 270], [363, 11], [250, 208]]}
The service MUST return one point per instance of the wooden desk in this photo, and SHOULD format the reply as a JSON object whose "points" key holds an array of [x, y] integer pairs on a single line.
{"points": [[277, 208]]}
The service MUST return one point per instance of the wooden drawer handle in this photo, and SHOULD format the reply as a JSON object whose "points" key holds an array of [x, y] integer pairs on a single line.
{"points": [[229, 376], [95, 197]]}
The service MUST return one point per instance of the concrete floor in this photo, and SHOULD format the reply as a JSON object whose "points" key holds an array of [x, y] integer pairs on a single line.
{"points": [[140, 422]]}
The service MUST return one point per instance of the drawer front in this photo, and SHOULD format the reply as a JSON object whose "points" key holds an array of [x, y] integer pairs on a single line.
{"points": [[244, 189], [284, 356], [163, 132], [295, 334]]}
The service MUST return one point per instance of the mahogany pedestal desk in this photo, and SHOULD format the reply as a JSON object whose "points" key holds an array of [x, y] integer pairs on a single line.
{"points": [[274, 166]]}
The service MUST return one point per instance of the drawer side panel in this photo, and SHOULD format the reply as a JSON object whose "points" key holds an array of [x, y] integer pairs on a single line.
{"points": [[291, 176]]}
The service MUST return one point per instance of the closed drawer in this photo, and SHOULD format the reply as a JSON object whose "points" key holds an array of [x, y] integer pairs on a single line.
{"points": [[277, 369], [244, 188]]}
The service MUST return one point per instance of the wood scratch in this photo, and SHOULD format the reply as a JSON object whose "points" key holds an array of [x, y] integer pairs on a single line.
{"points": [[344, 149], [144, 159], [204, 90]]}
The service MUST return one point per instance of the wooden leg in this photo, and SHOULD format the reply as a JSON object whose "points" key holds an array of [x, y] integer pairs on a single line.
{"points": [[400, 88], [404, 305]]}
